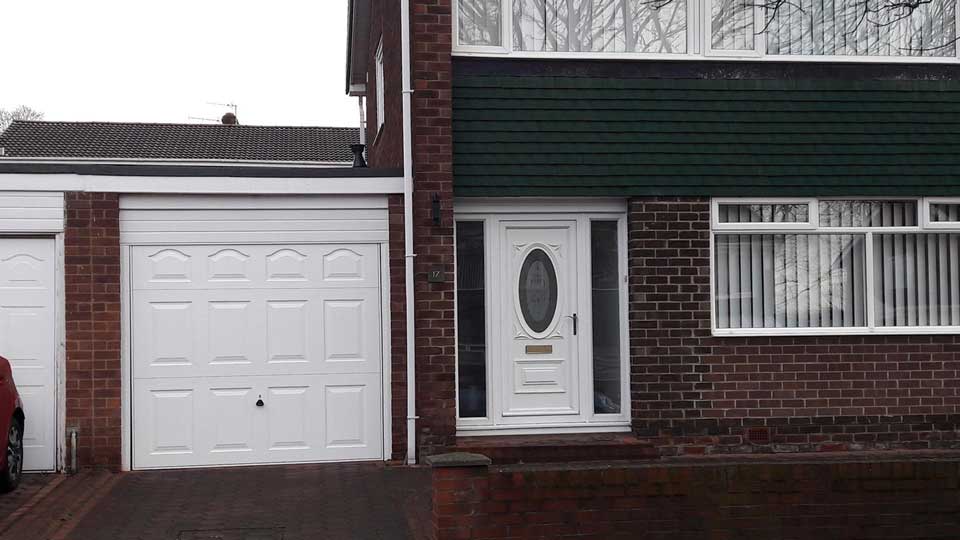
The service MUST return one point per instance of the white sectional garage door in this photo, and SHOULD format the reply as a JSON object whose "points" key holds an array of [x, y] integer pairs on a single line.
{"points": [[28, 340], [29, 313], [247, 353]]}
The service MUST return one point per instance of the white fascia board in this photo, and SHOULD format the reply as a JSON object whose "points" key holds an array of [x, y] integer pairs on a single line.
{"points": [[193, 184]]}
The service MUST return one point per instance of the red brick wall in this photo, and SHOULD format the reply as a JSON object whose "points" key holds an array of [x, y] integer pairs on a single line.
{"points": [[398, 329], [433, 244], [92, 276], [696, 393], [759, 501], [385, 149]]}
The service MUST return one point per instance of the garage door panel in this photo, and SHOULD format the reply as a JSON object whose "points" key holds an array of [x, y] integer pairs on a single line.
{"points": [[351, 334], [39, 436], [164, 344], [288, 417], [169, 322], [28, 339], [235, 332], [167, 267], [287, 324], [231, 417], [256, 266], [353, 425], [171, 417], [229, 265], [216, 421], [346, 414], [232, 328]]}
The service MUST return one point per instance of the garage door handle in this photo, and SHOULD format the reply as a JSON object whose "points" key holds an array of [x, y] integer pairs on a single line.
{"points": [[259, 402]]}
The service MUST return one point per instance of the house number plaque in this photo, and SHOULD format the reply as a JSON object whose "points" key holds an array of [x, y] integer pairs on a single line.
{"points": [[539, 349]]}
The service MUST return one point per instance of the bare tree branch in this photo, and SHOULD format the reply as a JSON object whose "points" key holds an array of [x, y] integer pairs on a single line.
{"points": [[20, 113]]}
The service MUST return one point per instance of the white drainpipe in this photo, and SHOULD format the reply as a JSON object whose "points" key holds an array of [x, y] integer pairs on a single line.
{"points": [[363, 121], [408, 230]]}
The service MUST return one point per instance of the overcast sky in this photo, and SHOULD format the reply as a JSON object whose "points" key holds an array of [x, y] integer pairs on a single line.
{"points": [[281, 61]]}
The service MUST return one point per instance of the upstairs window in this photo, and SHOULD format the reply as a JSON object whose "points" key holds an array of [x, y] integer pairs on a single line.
{"points": [[480, 23], [835, 266], [380, 85], [774, 29]]}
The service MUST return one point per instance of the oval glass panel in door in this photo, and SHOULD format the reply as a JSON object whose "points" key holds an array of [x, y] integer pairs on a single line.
{"points": [[538, 290]]}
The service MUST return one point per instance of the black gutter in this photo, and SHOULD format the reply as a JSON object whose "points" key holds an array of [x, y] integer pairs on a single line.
{"points": [[279, 171], [349, 42]]}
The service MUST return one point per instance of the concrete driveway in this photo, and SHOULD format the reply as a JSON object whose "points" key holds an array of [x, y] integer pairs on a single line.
{"points": [[330, 501]]}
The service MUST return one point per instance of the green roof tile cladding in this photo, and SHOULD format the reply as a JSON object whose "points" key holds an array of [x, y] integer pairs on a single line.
{"points": [[548, 135]]}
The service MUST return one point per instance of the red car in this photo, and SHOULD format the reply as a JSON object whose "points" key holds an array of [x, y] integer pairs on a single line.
{"points": [[11, 430]]}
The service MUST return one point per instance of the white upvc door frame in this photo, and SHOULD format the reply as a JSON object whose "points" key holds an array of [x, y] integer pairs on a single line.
{"points": [[491, 212]]}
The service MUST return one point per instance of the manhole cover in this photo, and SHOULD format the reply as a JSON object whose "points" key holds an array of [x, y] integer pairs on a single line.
{"points": [[232, 534]]}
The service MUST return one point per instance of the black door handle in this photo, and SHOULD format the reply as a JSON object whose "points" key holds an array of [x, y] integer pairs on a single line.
{"points": [[259, 401], [574, 317]]}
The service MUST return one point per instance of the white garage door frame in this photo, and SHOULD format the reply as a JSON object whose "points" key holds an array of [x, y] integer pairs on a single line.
{"points": [[130, 204], [40, 215]]}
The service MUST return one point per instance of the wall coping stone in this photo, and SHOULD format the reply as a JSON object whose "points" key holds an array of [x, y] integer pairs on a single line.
{"points": [[457, 459]]}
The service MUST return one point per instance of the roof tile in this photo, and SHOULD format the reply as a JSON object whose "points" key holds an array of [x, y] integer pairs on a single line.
{"points": [[215, 142]]}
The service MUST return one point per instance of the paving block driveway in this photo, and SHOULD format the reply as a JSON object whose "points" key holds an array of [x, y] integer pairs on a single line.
{"points": [[330, 501]]}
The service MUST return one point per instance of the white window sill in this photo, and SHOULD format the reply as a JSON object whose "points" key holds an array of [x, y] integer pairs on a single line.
{"points": [[880, 331], [713, 57]]}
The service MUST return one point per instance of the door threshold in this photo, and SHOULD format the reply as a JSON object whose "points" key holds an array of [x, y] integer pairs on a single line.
{"points": [[559, 448], [505, 431]]}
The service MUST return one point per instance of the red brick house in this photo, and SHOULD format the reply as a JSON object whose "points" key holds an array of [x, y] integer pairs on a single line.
{"points": [[703, 226], [631, 230]]}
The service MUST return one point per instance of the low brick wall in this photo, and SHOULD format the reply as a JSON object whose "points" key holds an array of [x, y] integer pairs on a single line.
{"points": [[913, 496]]}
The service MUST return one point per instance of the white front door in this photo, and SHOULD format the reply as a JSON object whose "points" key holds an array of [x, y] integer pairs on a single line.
{"points": [[255, 354], [541, 317], [539, 322], [28, 340]]}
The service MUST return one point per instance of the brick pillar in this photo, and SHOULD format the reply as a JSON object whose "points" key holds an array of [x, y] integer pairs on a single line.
{"points": [[460, 485], [398, 329], [669, 271], [92, 298], [433, 243]]}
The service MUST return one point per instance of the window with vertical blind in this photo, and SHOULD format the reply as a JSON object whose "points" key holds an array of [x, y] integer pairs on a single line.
{"points": [[835, 266]]}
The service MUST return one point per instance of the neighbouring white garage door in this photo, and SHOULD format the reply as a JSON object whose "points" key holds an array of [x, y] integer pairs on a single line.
{"points": [[247, 353], [28, 339], [29, 312]]}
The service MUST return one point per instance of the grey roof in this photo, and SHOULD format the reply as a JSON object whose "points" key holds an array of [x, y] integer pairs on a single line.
{"points": [[121, 140]]}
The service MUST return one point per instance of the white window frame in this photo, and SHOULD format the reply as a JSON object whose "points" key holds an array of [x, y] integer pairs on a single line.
{"points": [[505, 33], [380, 86], [705, 29], [923, 211], [811, 223], [698, 44]]}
